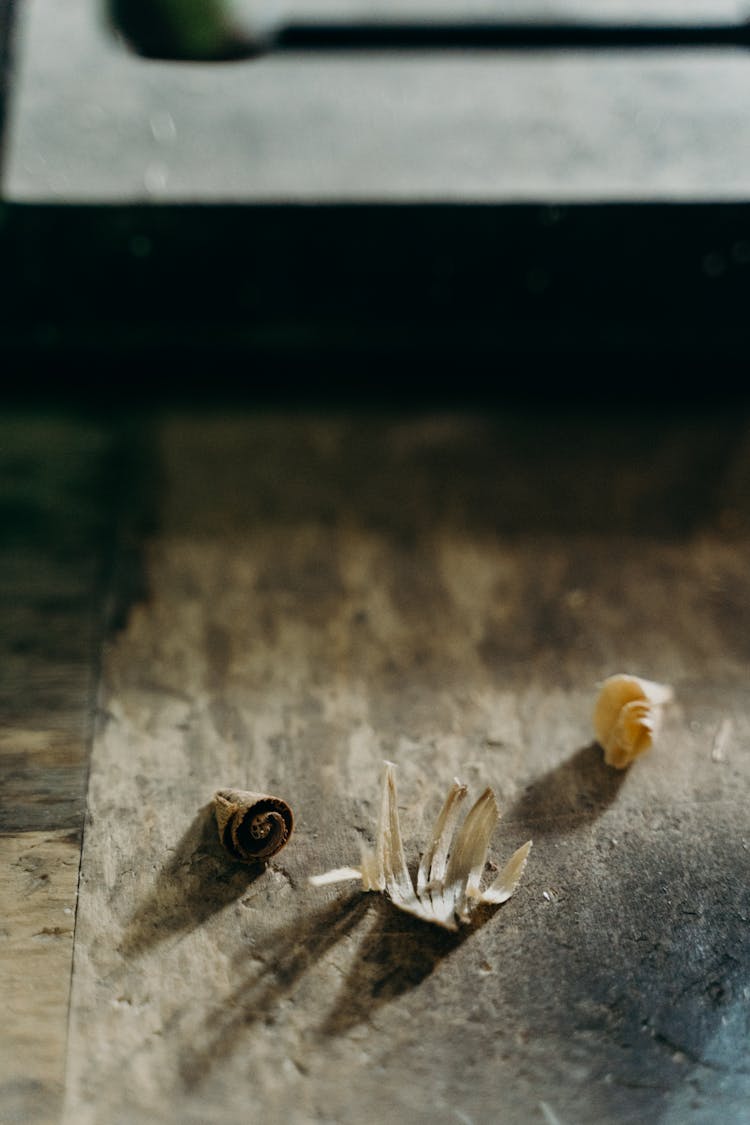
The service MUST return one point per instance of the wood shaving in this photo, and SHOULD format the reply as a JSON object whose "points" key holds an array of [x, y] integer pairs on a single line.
{"points": [[549, 1114], [252, 826], [448, 882], [627, 716], [721, 741]]}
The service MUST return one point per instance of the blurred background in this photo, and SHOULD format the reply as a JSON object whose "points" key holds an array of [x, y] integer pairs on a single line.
{"points": [[201, 198]]}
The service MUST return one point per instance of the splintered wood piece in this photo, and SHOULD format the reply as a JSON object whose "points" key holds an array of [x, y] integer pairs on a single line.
{"points": [[252, 826], [434, 861], [508, 879], [469, 853], [450, 873]]}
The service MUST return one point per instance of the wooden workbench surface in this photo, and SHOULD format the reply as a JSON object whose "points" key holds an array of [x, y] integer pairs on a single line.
{"points": [[281, 600]]}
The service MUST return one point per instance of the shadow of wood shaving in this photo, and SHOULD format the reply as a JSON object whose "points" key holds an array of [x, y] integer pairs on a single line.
{"points": [[397, 954], [266, 979], [572, 795], [198, 880]]}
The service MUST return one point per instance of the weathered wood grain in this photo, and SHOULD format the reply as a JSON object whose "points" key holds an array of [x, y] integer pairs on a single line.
{"points": [[38, 882], [59, 500], [445, 591]]}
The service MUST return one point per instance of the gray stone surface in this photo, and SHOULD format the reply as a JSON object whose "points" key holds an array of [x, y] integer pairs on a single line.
{"points": [[91, 122]]}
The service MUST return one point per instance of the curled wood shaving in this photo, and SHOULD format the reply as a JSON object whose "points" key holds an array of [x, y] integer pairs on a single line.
{"points": [[448, 883], [627, 716], [252, 826]]}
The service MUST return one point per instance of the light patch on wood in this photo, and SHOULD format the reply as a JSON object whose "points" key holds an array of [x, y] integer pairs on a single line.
{"points": [[38, 881]]}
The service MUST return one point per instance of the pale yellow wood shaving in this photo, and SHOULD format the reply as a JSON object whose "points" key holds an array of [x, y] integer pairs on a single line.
{"points": [[448, 885], [509, 878], [627, 716]]}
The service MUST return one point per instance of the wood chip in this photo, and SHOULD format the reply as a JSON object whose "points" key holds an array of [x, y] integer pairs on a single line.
{"points": [[627, 716], [721, 741], [252, 826], [448, 884]]}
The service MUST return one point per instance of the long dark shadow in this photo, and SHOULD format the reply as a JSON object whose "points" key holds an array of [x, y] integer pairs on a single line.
{"points": [[158, 31], [493, 36], [262, 982], [396, 955], [196, 882], [572, 795]]}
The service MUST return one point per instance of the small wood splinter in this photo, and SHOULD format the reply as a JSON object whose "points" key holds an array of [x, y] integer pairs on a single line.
{"points": [[627, 716], [450, 872], [252, 826]]}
